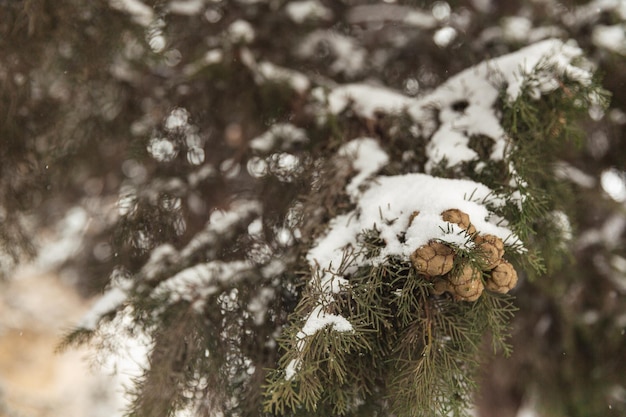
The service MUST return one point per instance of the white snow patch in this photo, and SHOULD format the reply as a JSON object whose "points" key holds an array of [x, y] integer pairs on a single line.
{"points": [[478, 88], [527, 412], [160, 257], [112, 299], [257, 167], [70, 232], [612, 38], [280, 136], [566, 171], [195, 155], [419, 19], [366, 157], [124, 354], [241, 31], [141, 13], [590, 12], [177, 119], [296, 80], [284, 166], [608, 235], [441, 10], [379, 13], [349, 56], [274, 268], [316, 321], [157, 42], [162, 149], [221, 223], [561, 220], [106, 304], [211, 57], [614, 184], [127, 200], [444, 36], [483, 6], [516, 28], [366, 100], [195, 284], [204, 172], [258, 305], [549, 53], [186, 7], [230, 168], [267, 71], [300, 11]]}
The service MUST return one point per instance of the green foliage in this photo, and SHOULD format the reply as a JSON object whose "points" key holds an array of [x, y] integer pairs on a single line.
{"points": [[543, 130], [428, 348], [75, 338]]}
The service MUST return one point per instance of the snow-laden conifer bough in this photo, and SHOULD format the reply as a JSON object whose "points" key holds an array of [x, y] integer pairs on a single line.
{"points": [[422, 217], [451, 233]]}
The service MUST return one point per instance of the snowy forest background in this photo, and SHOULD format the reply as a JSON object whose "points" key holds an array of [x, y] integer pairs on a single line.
{"points": [[179, 180]]}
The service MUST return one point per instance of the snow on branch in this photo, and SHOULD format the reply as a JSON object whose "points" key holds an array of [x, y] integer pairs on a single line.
{"points": [[195, 284], [464, 106], [366, 158], [301, 11], [406, 213], [266, 71], [377, 13], [222, 224], [317, 320], [348, 56], [112, 299], [282, 136], [190, 283], [405, 210]]}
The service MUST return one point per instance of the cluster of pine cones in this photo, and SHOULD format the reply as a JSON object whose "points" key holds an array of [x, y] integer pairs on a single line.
{"points": [[466, 281]]}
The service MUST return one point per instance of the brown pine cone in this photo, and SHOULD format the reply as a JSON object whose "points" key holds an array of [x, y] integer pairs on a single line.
{"points": [[503, 278], [467, 285], [466, 274], [459, 218], [490, 248], [470, 291], [433, 259], [440, 286]]}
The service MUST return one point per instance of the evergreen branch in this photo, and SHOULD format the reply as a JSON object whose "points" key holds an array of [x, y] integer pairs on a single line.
{"points": [[76, 337]]}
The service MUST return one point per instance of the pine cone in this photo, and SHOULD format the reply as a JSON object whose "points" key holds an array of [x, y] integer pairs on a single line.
{"points": [[440, 286], [503, 278], [466, 274], [467, 285], [491, 249], [433, 259], [459, 218], [470, 291]]}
